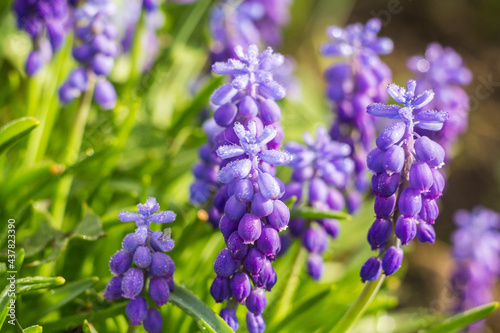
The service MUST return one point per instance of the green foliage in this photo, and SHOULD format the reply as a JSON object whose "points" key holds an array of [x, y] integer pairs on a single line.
{"points": [[16, 130]]}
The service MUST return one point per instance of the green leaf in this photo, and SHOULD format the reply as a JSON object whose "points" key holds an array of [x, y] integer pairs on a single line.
{"points": [[33, 329], [461, 320], [15, 130], [193, 306], [89, 228], [88, 327], [314, 214], [61, 296]]}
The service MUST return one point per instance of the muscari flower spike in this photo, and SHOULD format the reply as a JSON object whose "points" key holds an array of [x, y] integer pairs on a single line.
{"points": [[253, 217], [355, 81], [405, 167], [142, 259], [476, 253], [324, 168]]}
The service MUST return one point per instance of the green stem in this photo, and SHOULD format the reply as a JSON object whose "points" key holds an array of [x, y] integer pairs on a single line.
{"points": [[291, 285], [74, 145], [359, 306]]}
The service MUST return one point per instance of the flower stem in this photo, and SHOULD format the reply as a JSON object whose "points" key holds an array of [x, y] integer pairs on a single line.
{"points": [[74, 145], [359, 307]]}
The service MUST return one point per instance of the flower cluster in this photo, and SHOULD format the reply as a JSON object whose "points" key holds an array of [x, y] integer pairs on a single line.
{"points": [[476, 249], [324, 167], [405, 167], [46, 22], [95, 49], [443, 71], [145, 249], [246, 22], [352, 84], [253, 216], [251, 96]]}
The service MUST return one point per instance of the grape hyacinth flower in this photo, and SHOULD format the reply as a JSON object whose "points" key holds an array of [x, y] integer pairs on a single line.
{"points": [[476, 250], [250, 97], [253, 217], [406, 176], [324, 168], [95, 48], [353, 83], [443, 71], [142, 259], [46, 22]]}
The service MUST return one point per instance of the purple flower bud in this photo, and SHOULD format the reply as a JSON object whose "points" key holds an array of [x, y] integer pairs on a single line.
{"points": [[392, 260], [303, 174], [394, 159], [82, 53], [335, 199], [243, 190], [379, 233], [219, 289], [229, 316], [257, 301], [130, 242], [429, 211], [236, 246], [364, 81], [161, 265], [436, 190], [240, 286], [318, 192], [384, 206], [159, 291], [255, 324], [249, 228], [315, 266], [224, 264], [225, 114], [370, 271], [113, 289], [170, 282], [154, 321], [78, 79], [34, 62], [375, 160], [391, 135], [293, 189], [120, 262], [384, 184], [427, 150], [268, 186], [297, 226], [235, 209], [254, 261], [67, 93], [406, 229], [421, 176], [269, 241], [248, 108], [142, 257], [102, 65], [261, 206], [315, 240], [132, 283], [270, 111], [354, 201], [410, 202], [161, 242], [105, 94], [280, 215], [137, 310], [227, 226], [425, 232], [331, 226]]}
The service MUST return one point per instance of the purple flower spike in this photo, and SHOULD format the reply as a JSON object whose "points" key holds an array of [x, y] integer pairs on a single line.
{"points": [[155, 269], [392, 260], [370, 270]]}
